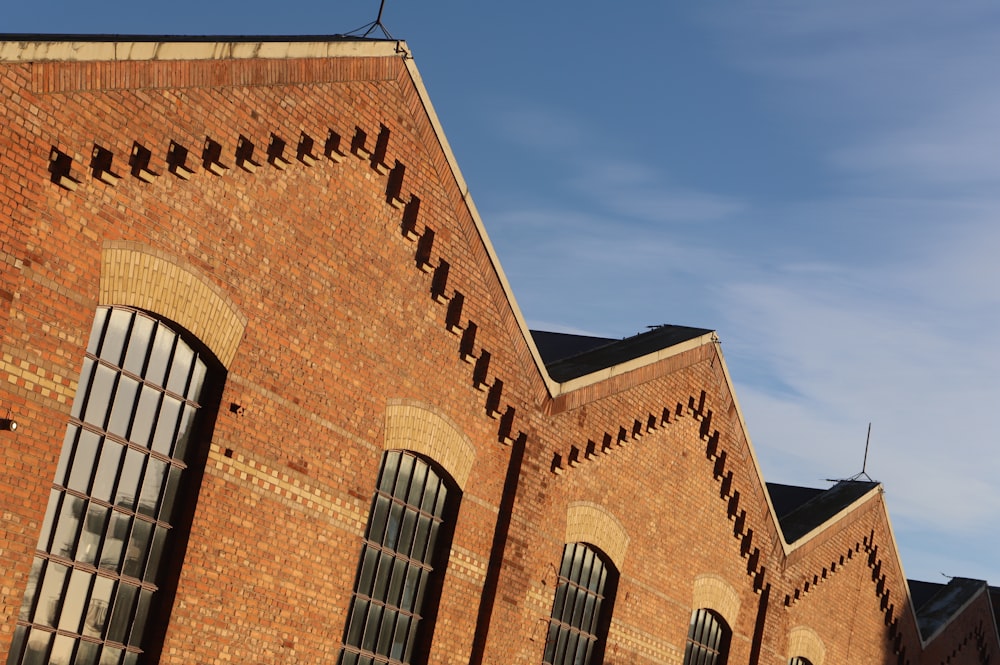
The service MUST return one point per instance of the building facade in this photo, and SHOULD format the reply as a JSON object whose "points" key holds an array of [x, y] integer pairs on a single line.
{"points": [[275, 403]]}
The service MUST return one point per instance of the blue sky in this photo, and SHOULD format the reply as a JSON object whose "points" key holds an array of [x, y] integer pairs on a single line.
{"points": [[818, 182]]}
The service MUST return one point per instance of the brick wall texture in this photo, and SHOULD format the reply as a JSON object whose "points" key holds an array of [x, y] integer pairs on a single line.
{"points": [[316, 280]]}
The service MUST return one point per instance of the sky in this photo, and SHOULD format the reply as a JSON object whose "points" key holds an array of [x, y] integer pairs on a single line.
{"points": [[817, 182]]}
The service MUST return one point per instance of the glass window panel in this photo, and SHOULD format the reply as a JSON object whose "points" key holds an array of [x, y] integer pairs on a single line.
{"points": [[418, 600], [138, 344], [141, 616], [366, 576], [193, 391], [121, 411], [66, 454], [386, 631], [107, 471], [392, 527], [371, 627], [166, 425], [121, 615], [359, 616], [169, 501], [138, 545], [145, 415], [559, 651], [399, 637], [184, 431], [396, 582], [50, 515], [155, 554], [559, 604], [37, 650], [419, 550], [442, 495], [417, 485], [410, 587], [111, 656], [96, 618], [81, 389], [159, 357], [74, 601], [62, 650], [149, 497], [131, 658], [377, 520], [118, 530], [83, 461], [406, 531], [180, 368], [403, 477], [29, 593], [382, 576], [100, 395], [68, 525], [348, 658], [97, 329], [387, 478], [431, 489], [128, 481], [93, 530], [86, 653], [50, 595], [411, 640], [114, 336]]}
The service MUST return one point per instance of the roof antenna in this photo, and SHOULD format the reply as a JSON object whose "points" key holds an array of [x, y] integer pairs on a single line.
{"points": [[864, 464], [374, 25]]}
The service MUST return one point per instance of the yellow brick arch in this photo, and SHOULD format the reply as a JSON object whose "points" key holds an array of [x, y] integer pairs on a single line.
{"points": [[804, 642], [140, 276], [412, 425], [714, 593], [594, 524]]}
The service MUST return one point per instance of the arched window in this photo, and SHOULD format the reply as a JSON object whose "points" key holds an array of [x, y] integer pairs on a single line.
{"points": [[96, 575], [707, 640], [582, 607], [405, 544], [799, 660]]}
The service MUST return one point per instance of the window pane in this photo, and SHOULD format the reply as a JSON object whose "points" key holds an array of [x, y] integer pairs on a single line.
{"points": [[128, 483], [138, 344], [170, 493], [50, 597], [387, 477], [81, 390], [68, 526], [163, 344], [166, 425], [151, 483], [121, 412], [83, 461], [37, 649], [97, 611], [107, 470], [114, 336], [50, 515], [366, 576], [377, 519], [97, 330], [86, 653], [93, 529], [67, 452], [74, 601], [121, 615], [155, 554], [180, 368], [356, 626], [135, 554], [184, 431], [145, 415], [114, 541], [29, 593], [396, 582], [100, 395], [193, 391], [141, 615]]}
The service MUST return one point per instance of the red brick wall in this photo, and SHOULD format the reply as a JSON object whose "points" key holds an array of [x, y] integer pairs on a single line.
{"points": [[340, 320]]}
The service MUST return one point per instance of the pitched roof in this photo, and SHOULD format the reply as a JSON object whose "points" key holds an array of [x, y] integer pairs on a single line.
{"points": [[945, 603], [568, 357], [817, 509]]}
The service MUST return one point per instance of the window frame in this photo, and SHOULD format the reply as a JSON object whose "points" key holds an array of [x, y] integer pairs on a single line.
{"points": [[704, 622]]}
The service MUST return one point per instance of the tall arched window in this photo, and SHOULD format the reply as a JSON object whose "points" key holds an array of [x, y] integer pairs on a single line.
{"points": [[799, 660], [96, 574], [708, 639], [405, 545], [582, 607]]}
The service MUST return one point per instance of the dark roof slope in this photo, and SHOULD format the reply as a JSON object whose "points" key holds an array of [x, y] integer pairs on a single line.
{"points": [[821, 507], [568, 357], [786, 498], [941, 607]]}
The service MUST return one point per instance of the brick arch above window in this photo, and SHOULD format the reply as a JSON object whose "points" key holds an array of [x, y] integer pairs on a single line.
{"points": [[592, 523], [804, 642], [714, 593], [143, 277], [417, 427]]}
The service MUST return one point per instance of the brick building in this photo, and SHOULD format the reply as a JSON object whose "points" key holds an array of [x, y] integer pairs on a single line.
{"points": [[275, 403]]}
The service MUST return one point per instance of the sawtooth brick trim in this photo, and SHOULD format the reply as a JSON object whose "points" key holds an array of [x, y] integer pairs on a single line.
{"points": [[714, 593], [594, 524], [804, 642], [139, 276], [411, 425]]}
